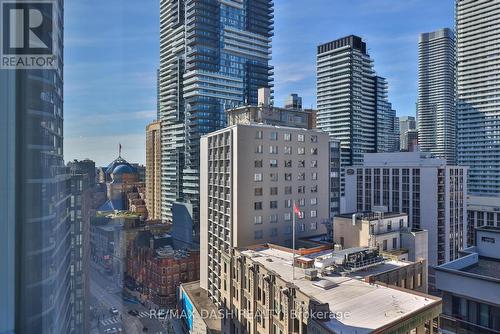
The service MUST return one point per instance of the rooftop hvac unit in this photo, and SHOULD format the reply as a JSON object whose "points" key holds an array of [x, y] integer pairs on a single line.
{"points": [[311, 274]]}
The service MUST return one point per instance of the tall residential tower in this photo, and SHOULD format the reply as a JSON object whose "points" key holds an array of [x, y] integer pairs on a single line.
{"points": [[35, 194], [436, 94], [214, 55], [478, 82], [346, 96]]}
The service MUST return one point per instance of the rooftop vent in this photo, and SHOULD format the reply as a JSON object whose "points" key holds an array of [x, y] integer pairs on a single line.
{"points": [[324, 284]]}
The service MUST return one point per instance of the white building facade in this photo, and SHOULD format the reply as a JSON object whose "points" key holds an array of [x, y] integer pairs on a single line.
{"points": [[432, 193], [250, 177]]}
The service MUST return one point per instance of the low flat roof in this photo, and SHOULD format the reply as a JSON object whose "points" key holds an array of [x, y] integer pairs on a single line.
{"points": [[484, 267], [368, 306], [489, 228], [200, 300]]}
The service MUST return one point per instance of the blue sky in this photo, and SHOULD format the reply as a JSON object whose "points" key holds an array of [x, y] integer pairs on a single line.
{"points": [[112, 52]]}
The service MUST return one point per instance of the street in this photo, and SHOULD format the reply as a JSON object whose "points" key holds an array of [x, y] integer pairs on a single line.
{"points": [[105, 294]]}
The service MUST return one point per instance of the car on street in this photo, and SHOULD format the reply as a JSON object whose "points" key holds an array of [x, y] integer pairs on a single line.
{"points": [[114, 311]]}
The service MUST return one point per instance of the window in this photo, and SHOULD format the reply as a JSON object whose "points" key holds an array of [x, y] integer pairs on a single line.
{"points": [[314, 176], [300, 137], [314, 200], [288, 150], [258, 234], [288, 190], [258, 163], [287, 216], [314, 139], [389, 225], [273, 135], [257, 205], [273, 204], [301, 176], [274, 191], [394, 243], [302, 163], [314, 213], [314, 163], [301, 189], [401, 223], [273, 149], [274, 233], [288, 163], [258, 149], [257, 177], [288, 203], [288, 176], [258, 134], [273, 219], [257, 192], [273, 163], [314, 226], [302, 201], [273, 177], [257, 220], [301, 150], [314, 189], [314, 150], [287, 136], [384, 247], [302, 227]]}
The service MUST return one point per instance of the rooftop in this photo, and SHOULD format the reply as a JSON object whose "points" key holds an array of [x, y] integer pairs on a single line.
{"points": [[369, 215], [200, 300], [485, 267], [348, 295]]}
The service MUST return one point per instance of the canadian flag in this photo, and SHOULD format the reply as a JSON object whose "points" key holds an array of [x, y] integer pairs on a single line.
{"points": [[296, 210]]}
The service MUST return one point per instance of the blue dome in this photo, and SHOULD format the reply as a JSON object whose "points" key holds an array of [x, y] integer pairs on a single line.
{"points": [[123, 169]]}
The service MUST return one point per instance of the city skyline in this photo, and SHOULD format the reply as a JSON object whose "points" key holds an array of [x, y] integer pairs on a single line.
{"points": [[111, 98]]}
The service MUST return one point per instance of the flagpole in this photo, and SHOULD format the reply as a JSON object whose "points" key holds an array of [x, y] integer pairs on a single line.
{"points": [[293, 241]]}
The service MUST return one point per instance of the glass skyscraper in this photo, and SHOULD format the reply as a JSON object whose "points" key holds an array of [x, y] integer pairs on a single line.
{"points": [[35, 229], [478, 82], [214, 55]]}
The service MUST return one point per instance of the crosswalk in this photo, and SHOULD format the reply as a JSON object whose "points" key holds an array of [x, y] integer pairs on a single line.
{"points": [[143, 314], [110, 321]]}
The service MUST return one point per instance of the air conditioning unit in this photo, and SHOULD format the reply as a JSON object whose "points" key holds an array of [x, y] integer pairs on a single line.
{"points": [[311, 274]]}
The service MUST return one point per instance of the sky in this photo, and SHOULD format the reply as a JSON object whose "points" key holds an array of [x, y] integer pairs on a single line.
{"points": [[112, 53]]}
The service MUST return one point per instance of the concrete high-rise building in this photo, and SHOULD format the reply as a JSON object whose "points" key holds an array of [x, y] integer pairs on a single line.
{"points": [[346, 99], [83, 184], [293, 101], [406, 123], [291, 116], [478, 35], [213, 55], [396, 134], [432, 193], [153, 170], [436, 94], [250, 177], [386, 131], [411, 138], [352, 101], [35, 194]]}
